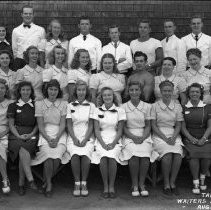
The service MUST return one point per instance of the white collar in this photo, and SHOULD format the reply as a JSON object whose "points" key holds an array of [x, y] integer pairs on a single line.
{"points": [[200, 104], [63, 69], [113, 107], [10, 73], [53, 41], [164, 106], [49, 103], [5, 41], [22, 103], [171, 78], [199, 35], [37, 69], [194, 72], [132, 107], [84, 35]]}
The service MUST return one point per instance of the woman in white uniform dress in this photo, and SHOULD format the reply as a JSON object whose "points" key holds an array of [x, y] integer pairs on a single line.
{"points": [[57, 58], [108, 77], [80, 143], [32, 72], [166, 115], [108, 124], [51, 116], [137, 144], [80, 70]]}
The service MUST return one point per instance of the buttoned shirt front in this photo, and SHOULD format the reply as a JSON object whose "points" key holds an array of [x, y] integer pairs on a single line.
{"points": [[92, 44], [121, 51], [203, 44], [23, 37], [174, 48]]}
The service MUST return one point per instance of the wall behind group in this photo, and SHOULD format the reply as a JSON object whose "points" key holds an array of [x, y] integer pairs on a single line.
{"points": [[126, 14]]}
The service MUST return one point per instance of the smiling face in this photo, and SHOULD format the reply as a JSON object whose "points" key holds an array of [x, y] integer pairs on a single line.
{"points": [[194, 61], [108, 65], [194, 94], [134, 92], [2, 33], [59, 55], [196, 25], [4, 60], [84, 59], [108, 97], [169, 28], [81, 92], [166, 92], [140, 63], [33, 55], [56, 29], [167, 67], [27, 15], [25, 93], [53, 93]]}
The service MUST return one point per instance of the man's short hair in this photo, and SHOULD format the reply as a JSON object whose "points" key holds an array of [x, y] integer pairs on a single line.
{"points": [[169, 20], [27, 6], [84, 18], [145, 21], [196, 16], [140, 54], [113, 26]]}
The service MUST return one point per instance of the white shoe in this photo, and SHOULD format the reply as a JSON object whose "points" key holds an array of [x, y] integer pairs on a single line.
{"points": [[84, 190], [144, 193], [6, 186], [77, 191], [135, 192], [203, 187], [196, 190]]}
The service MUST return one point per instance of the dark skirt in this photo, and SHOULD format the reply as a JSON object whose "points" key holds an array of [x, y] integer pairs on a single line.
{"points": [[195, 151], [14, 144]]}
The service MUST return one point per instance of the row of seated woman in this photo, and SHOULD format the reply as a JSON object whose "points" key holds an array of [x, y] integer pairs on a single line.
{"points": [[135, 133], [107, 77]]}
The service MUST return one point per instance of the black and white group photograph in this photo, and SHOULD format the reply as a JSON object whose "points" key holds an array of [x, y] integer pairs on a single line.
{"points": [[105, 105]]}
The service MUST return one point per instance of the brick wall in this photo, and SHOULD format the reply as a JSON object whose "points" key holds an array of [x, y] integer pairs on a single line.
{"points": [[103, 13]]}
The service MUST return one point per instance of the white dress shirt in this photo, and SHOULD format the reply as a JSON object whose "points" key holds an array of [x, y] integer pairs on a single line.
{"points": [[23, 37], [121, 51], [174, 48], [148, 47], [203, 44], [92, 44]]}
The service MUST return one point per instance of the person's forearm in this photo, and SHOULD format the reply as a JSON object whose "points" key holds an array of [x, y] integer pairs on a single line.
{"points": [[177, 130], [157, 131], [89, 130]]}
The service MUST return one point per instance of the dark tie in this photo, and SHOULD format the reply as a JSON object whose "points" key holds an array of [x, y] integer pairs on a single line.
{"points": [[76, 104], [196, 37], [167, 39], [27, 26], [84, 37], [112, 110], [115, 45]]}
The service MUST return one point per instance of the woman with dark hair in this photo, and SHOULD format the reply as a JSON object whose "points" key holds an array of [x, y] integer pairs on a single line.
{"points": [[5, 72], [137, 144], [168, 65], [80, 144], [80, 70], [55, 36], [51, 115], [4, 130], [108, 77], [57, 59], [198, 73], [108, 125], [166, 117], [197, 131], [31, 72], [23, 134]]}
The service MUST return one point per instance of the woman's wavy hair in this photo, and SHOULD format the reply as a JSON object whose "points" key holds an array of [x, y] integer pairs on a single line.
{"points": [[75, 62], [7, 93], [8, 53], [195, 85], [109, 55], [51, 55], [26, 53], [194, 51], [166, 83], [52, 83], [101, 102], [79, 83], [169, 59], [49, 34], [8, 36], [18, 89], [139, 85]]}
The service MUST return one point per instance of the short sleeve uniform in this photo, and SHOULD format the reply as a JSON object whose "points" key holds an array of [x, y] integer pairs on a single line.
{"points": [[47, 47], [60, 75], [78, 74], [34, 76], [135, 123], [196, 120], [203, 77], [80, 114], [180, 86], [108, 121], [52, 114], [24, 121], [3, 127], [114, 81], [166, 118]]}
